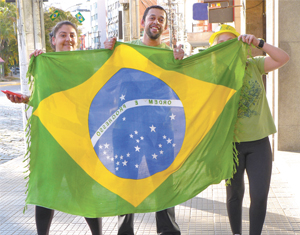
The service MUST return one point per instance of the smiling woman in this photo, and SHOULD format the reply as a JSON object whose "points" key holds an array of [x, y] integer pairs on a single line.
{"points": [[64, 36]]}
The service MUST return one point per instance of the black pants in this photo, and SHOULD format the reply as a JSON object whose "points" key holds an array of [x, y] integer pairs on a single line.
{"points": [[44, 216], [165, 223], [256, 158]]}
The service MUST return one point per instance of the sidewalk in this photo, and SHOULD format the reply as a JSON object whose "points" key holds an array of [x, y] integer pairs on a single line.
{"points": [[10, 80], [204, 214]]}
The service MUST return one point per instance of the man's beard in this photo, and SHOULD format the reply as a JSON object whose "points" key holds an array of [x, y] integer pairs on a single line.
{"points": [[153, 36]]}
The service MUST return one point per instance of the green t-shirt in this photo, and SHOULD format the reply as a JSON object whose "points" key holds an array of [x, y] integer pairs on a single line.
{"points": [[139, 42], [254, 121]]}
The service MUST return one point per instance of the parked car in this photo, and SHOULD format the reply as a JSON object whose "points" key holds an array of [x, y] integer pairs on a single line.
{"points": [[15, 70]]}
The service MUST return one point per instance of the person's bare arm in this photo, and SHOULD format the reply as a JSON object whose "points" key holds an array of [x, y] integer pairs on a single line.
{"points": [[276, 57]]}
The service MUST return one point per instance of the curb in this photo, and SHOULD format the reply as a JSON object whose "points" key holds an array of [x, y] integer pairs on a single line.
{"points": [[9, 83]]}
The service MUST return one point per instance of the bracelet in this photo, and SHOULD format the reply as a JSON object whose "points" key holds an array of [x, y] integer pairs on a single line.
{"points": [[261, 43]]}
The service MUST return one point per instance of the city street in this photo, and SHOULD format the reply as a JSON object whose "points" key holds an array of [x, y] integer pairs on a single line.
{"points": [[204, 214], [12, 136]]}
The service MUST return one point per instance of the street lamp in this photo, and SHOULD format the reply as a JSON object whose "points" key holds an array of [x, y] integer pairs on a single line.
{"points": [[76, 5], [99, 42]]}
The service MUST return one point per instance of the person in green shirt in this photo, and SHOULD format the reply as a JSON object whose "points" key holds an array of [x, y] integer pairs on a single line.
{"points": [[254, 125], [154, 22]]}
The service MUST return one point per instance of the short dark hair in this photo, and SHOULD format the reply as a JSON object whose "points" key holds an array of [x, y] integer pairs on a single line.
{"points": [[57, 27], [157, 7]]}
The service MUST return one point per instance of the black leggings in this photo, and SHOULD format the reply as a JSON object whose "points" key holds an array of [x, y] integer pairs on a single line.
{"points": [[165, 223], [44, 216], [256, 158]]}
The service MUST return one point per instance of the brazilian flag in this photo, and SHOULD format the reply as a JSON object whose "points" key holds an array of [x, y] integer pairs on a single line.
{"points": [[79, 17], [54, 15], [131, 130]]}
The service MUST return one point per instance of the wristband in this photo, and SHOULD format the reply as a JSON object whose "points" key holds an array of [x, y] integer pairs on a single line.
{"points": [[261, 43]]}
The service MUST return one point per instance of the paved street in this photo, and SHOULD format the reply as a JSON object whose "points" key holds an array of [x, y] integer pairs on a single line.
{"points": [[204, 214], [11, 125]]}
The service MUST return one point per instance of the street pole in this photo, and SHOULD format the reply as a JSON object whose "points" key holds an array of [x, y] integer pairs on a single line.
{"points": [[99, 43], [170, 23], [31, 36], [134, 16], [126, 22]]}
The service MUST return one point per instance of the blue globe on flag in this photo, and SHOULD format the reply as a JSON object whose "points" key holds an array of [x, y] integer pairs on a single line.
{"points": [[136, 124]]}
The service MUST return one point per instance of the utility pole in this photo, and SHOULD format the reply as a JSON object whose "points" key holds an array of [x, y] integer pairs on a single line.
{"points": [[31, 36], [134, 19], [131, 24], [126, 21], [176, 22], [170, 14]]}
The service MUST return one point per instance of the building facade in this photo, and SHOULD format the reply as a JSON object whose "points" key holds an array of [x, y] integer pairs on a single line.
{"points": [[97, 31]]}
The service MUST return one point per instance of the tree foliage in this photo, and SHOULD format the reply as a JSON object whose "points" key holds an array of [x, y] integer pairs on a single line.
{"points": [[49, 24], [8, 31], [8, 34]]}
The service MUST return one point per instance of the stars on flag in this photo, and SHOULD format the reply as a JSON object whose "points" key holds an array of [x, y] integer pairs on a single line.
{"points": [[142, 146], [152, 128], [172, 116], [137, 148], [122, 97]]}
